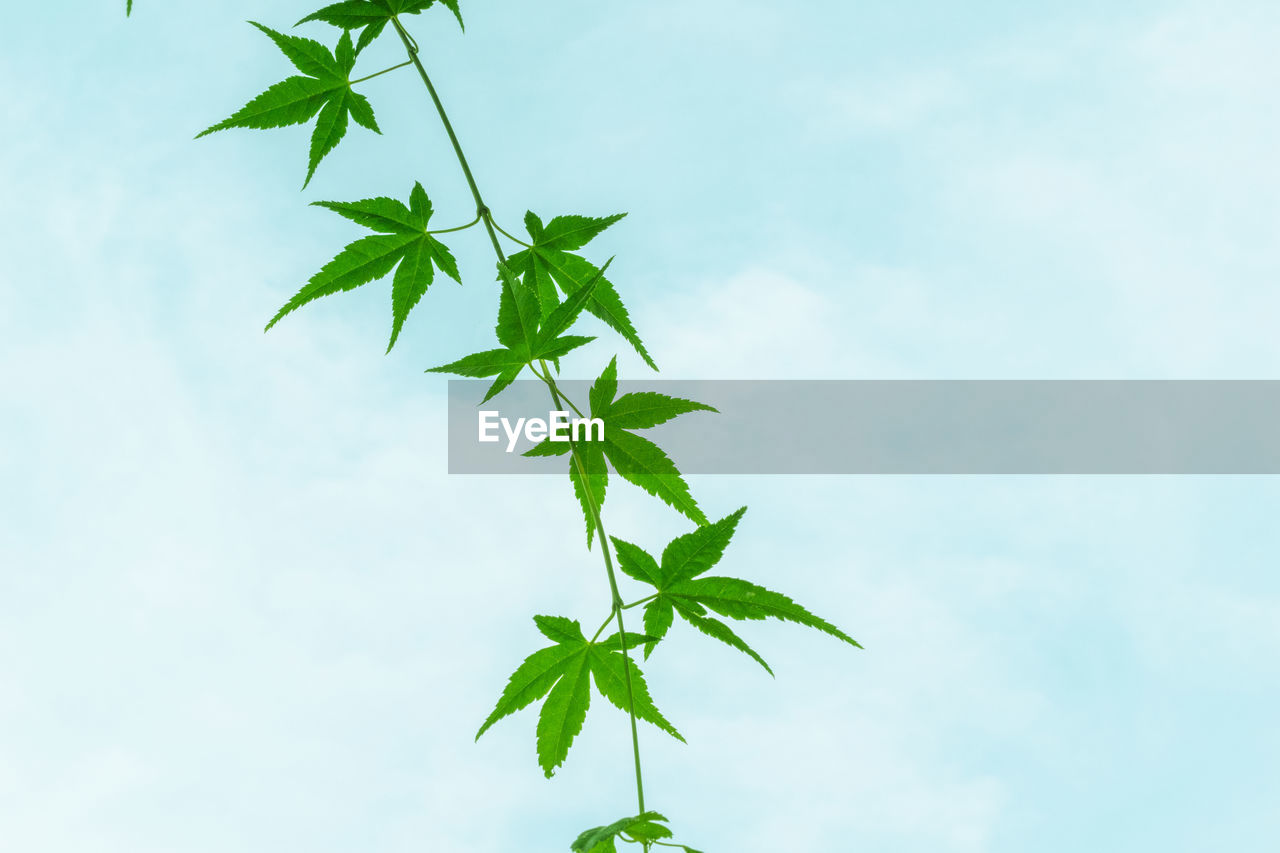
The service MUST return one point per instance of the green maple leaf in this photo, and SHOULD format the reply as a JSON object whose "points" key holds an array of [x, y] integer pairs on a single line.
{"points": [[563, 674], [524, 337], [647, 827], [633, 457], [325, 90], [403, 244], [551, 267], [683, 589], [371, 16]]}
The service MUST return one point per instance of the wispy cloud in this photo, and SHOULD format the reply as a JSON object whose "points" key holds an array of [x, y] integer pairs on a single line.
{"points": [[243, 606]]}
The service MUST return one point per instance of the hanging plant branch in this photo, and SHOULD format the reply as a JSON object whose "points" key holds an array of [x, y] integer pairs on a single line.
{"points": [[544, 289]]}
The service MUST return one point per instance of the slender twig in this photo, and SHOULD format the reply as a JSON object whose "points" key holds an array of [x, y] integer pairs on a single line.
{"points": [[609, 618], [482, 213], [380, 73], [617, 597], [482, 210], [470, 224], [511, 237], [546, 377], [603, 625]]}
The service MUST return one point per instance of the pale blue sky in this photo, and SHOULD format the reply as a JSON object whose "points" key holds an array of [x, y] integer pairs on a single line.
{"points": [[242, 607]]}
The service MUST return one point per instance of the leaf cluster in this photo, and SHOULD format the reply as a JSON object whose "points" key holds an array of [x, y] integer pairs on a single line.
{"points": [[681, 586], [551, 266], [532, 316], [525, 334], [371, 17], [641, 829]]}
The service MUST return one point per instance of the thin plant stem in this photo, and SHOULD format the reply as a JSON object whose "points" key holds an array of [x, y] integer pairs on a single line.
{"points": [[609, 618], [380, 73], [617, 598], [482, 210], [546, 377], [511, 237], [483, 213], [603, 625], [470, 224]]}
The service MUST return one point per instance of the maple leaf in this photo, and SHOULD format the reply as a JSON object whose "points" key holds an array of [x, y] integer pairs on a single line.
{"points": [[634, 458], [563, 674], [682, 588], [325, 91], [371, 16], [524, 335], [551, 267], [403, 244], [647, 827]]}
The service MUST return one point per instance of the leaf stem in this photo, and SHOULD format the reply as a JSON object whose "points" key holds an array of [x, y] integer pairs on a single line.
{"points": [[603, 625], [470, 224], [482, 212], [510, 237], [379, 74], [609, 618], [617, 597], [546, 377]]}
